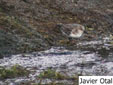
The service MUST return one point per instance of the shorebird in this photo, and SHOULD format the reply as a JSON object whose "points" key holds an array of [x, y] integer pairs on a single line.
{"points": [[72, 30]]}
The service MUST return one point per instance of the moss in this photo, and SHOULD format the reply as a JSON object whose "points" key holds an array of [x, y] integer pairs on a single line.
{"points": [[55, 77], [89, 28], [63, 42], [51, 74], [14, 71], [53, 83], [12, 24], [1, 10], [18, 37]]}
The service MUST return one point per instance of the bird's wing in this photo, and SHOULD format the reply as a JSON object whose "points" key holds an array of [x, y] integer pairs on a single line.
{"points": [[66, 30]]}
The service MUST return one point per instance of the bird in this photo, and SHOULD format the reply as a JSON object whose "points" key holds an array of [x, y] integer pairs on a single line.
{"points": [[72, 30]]}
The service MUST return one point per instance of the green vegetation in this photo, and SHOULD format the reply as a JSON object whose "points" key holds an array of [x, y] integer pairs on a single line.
{"points": [[13, 25], [16, 37], [54, 76], [14, 71], [89, 28], [0, 9], [53, 83], [51, 74]]}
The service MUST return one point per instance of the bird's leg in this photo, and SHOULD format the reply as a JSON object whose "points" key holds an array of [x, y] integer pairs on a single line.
{"points": [[72, 40]]}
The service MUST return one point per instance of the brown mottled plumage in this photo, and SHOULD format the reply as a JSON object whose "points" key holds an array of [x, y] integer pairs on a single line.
{"points": [[72, 30]]}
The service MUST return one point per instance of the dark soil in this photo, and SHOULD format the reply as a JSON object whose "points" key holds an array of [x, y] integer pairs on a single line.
{"points": [[30, 25]]}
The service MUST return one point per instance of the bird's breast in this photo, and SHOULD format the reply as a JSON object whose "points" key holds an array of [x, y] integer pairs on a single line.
{"points": [[76, 35]]}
